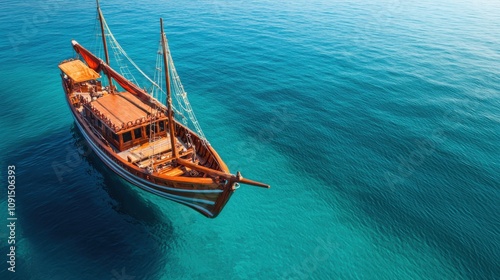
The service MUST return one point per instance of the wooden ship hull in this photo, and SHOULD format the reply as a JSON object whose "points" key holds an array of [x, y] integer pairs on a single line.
{"points": [[138, 137]]}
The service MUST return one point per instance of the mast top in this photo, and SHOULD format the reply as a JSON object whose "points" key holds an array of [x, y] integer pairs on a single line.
{"points": [[161, 27]]}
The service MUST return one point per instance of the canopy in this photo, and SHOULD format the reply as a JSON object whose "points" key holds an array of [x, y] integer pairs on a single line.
{"points": [[78, 71]]}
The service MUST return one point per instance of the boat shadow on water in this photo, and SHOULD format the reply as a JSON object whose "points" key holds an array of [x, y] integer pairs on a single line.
{"points": [[76, 215]]}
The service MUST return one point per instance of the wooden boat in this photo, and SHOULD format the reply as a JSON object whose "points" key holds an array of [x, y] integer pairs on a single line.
{"points": [[139, 138]]}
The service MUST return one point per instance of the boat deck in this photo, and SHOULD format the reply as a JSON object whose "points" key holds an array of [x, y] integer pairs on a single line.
{"points": [[123, 107], [158, 150]]}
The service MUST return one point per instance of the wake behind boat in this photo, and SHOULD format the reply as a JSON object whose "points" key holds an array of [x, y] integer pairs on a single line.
{"points": [[138, 137]]}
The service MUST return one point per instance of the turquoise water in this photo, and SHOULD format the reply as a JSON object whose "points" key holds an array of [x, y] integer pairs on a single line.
{"points": [[376, 124]]}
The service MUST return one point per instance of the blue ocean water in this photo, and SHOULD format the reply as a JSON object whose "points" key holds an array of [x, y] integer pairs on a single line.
{"points": [[377, 124]]}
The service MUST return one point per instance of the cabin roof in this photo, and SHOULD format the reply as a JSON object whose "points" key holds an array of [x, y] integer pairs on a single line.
{"points": [[121, 108], [78, 71]]}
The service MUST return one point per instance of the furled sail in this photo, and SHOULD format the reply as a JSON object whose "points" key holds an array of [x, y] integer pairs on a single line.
{"points": [[124, 83], [98, 64], [92, 61]]}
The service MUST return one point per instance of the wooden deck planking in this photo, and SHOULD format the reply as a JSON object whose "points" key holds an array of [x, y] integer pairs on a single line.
{"points": [[129, 96], [121, 109]]}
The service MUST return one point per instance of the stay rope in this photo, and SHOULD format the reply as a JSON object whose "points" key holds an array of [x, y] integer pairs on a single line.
{"points": [[157, 90]]}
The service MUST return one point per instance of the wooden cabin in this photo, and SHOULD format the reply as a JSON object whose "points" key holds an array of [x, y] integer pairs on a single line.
{"points": [[123, 119]]}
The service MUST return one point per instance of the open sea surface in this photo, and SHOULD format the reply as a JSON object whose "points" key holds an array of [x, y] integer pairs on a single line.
{"points": [[377, 124]]}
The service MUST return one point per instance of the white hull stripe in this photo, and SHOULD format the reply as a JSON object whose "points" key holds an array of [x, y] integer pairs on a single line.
{"points": [[120, 171]]}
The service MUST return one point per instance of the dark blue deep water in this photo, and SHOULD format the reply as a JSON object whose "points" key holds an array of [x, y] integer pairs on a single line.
{"points": [[377, 124]]}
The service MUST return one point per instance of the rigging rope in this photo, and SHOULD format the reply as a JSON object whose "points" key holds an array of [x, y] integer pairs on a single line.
{"points": [[157, 91], [122, 51], [181, 96], [179, 92]]}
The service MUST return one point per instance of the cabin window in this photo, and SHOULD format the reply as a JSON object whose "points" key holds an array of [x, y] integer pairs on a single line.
{"points": [[162, 125], [115, 137], [148, 129], [109, 133], [137, 133], [127, 136], [99, 123]]}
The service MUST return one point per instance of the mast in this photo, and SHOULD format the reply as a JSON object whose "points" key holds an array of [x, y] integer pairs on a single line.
{"points": [[101, 20], [171, 124]]}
